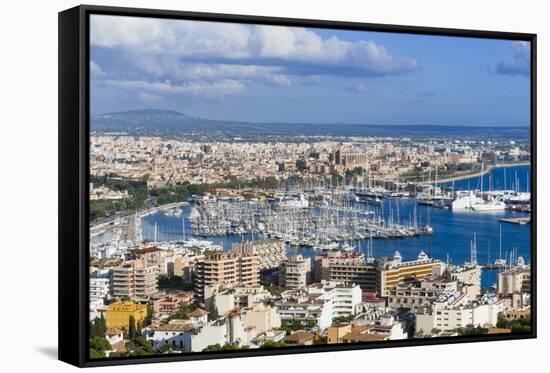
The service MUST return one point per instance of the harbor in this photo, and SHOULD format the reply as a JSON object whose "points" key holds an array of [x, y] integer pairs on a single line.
{"points": [[450, 239]]}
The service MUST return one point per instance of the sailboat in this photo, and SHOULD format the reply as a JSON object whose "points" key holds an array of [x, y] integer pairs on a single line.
{"points": [[500, 262], [484, 206]]}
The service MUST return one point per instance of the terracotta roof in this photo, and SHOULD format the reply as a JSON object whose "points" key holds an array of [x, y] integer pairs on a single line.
{"points": [[198, 313], [499, 331], [362, 337], [299, 337], [147, 250], [176, 327]]}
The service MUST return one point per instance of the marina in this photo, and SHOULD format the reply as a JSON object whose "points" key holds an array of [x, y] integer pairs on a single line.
{"points": [[450, 240]]}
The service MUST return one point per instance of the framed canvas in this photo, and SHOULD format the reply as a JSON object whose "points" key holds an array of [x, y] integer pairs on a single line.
{"points": [[234, 186]]}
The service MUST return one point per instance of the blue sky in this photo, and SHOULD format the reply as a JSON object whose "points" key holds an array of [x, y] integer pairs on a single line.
{"points": [[281, 74]]}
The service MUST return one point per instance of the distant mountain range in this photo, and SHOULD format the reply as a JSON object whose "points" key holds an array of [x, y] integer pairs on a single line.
{"points": [[173, 123]]}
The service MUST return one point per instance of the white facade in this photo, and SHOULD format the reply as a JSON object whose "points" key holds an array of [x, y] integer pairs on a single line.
{"points": [[320, 302], [344, 298], [239, 297], [210, 334], [178, 335], [459, 314], [99, 288]]}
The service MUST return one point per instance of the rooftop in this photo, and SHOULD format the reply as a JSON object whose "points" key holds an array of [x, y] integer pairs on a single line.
{"points": [[299, 337], [198, 313]]}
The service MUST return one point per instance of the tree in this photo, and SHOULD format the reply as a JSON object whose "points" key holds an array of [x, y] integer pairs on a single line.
{"points": [[149, 317], [213, 312], [319, 340], [273, 344], [275, 290], [215, 347], [340, 319], [138, 329], [166, 348], [502, 322], [94, 354], [139, 346], [183, 312], [132, 327], [98, 327], [102, 323], [98, 346], [471, 330]]}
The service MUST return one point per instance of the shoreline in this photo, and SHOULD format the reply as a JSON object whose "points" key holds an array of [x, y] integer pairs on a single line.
{"points": [[487, 170], [108, 224]]}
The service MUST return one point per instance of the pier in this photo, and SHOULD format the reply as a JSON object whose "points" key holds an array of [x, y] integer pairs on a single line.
{"points": [[517, 220]]}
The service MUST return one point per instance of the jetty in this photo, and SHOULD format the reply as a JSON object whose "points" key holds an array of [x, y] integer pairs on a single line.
{"points": [[517, 220]]}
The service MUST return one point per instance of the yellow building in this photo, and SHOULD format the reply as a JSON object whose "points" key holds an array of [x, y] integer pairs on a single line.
{"points": [[118, 314], [398, 272], [337, 332]]}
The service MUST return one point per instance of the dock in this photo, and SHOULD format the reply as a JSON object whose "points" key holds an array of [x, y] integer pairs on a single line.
{"points": [[517, 220]]}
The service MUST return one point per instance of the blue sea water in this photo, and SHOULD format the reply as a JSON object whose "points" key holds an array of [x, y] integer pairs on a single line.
{"points": [[453, 230], [509, 178]]}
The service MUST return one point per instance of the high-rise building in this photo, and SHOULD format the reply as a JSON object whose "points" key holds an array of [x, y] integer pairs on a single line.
{"points": [[135, 279], [270, 252], [383, 274], [227, 269], [322, 263], [514, 281], [295, 272], [397, 272]]}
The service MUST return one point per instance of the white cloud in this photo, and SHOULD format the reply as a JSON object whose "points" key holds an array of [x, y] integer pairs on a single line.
{"points": [[211, 90], [520, 63], [212, 72], [160, 39], [95, 69]]}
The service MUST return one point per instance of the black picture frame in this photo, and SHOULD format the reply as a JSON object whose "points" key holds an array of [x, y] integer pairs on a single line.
{"points": [[74, 114]]}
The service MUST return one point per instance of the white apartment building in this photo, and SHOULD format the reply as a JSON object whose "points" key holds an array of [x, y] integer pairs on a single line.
{"points": [[514, 281], [344, 297], [238, 297], [100, 287], [454, 311], [178, 334], [295, 272], [320, 302]]}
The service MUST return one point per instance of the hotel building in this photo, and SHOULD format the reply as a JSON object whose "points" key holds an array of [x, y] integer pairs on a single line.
{"points": [[322, 263], [135, 279], [226, 269], [397, 272]]}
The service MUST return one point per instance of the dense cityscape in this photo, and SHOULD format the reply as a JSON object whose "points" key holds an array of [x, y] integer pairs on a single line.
{"points": [[258, 187], [304, 221]]}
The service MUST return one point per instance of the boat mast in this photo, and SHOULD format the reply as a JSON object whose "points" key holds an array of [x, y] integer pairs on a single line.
{"points": [[500, 242], [183, 227]]}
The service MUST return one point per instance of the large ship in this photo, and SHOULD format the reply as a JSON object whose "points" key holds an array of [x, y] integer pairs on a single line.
{"points": [[493, 205]]}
